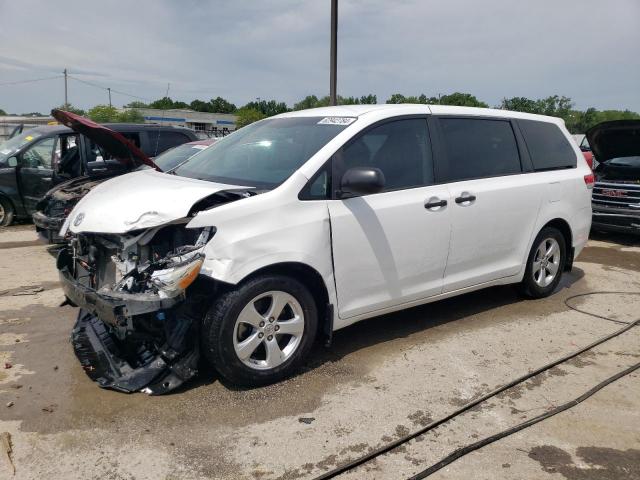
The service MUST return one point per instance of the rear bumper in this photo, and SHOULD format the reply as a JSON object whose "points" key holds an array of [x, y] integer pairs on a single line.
{"points": [[48, 227]]}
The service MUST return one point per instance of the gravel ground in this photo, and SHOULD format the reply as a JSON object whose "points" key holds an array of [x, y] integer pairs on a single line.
{"points": [[382, 379]]}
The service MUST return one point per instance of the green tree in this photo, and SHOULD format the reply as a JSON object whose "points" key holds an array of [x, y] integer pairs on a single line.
{"points": [[129, 116], [165, 103], [310, 101], [422, 98], [103, 114], [246, 116], [200, 106], [462, 100], [67, 107], [2, 112], [136, 104], [220, 105], [181, 105], [268, 107]]}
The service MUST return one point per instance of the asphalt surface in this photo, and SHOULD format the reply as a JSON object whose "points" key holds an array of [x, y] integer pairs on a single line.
{"points": [[382, 379]]}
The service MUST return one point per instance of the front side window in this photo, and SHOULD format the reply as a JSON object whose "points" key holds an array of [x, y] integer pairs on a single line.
{"points": [[14, 144], [263, 154], [40, 154], [478, 148], [400, 149]]}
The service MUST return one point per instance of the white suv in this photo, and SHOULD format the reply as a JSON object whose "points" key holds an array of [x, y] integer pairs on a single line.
{"points": [[304, 223]]}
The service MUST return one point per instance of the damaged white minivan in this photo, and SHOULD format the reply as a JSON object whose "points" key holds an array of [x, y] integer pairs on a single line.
{"points": [[304, 223]]}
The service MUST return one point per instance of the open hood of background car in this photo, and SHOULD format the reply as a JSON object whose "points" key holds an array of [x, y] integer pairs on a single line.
{"points": [[615, 139], [113, 142], [140, 200]]}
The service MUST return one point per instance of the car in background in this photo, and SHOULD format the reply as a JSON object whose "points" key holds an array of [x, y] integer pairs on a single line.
{"points": [[60, 200], [585, 148], [175, 156], [34, 161], [616, 192]]}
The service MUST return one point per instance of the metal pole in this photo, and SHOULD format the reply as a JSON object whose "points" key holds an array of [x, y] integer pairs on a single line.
{"points": [[333, 97], [66, 99], [109, 89]]}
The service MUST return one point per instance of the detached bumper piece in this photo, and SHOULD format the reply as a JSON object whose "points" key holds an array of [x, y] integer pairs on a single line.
{"points": [[154, 372], [48, 227]]}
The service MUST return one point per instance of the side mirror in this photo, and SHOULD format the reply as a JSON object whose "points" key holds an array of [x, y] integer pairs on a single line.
{"points": [[362, 181], [12, 162]]}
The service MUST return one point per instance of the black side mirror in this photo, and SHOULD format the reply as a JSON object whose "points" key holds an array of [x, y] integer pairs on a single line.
{"points": [[362, 181]]}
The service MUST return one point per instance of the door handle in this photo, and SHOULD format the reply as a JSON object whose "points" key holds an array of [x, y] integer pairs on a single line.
{"points": [[465, 198], [434, 202], [46, 178]]}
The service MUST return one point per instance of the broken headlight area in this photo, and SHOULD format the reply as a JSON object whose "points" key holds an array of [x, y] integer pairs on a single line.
{"points": [[134, 331]]}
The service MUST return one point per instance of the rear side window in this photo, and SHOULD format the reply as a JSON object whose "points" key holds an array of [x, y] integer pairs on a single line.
{"points": [[161, 140], [478, 148], [548, 147]]}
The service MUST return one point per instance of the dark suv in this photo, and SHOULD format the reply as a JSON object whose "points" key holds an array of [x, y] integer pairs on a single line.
{"points": [[616, 193], [38, 159]]}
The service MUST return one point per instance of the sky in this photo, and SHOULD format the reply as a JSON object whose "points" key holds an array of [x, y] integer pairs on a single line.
{"points": [[279, 49]]}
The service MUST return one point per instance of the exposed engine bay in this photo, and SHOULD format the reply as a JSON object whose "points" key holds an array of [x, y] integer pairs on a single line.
{"points": [[134, 332]]}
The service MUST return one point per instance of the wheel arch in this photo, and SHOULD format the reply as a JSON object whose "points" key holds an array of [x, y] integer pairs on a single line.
{"points": [[565, 229], [12, 205], [310, 278]]}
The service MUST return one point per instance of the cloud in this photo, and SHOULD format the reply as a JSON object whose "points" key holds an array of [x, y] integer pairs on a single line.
{"points": [[279, 49]]}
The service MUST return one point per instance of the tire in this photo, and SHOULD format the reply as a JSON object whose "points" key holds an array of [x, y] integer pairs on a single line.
{"points": [[6, 212], [544, 270], [242, 344]]}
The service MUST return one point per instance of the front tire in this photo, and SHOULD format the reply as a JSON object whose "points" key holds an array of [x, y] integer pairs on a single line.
{"points": [[6, 212], [260, 332], [545, 264]]}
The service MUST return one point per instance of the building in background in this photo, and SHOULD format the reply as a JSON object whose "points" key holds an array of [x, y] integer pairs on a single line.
{"points": [[212, 124]]}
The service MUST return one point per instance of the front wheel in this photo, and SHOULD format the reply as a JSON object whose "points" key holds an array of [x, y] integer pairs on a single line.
{"points": [[545, 264], [6, 212], [260, 332]]}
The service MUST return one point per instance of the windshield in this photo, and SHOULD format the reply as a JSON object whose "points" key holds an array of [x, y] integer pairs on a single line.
{"points": [[172, 158], [264, 154], [632, 162], [13, 145]]}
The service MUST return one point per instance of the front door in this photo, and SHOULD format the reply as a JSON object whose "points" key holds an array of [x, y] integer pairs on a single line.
{"points": [[391, 247], [35, 172], [494, 202]]}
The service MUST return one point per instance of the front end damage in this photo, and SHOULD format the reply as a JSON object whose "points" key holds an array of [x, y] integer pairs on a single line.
{"points": [[134, 331]]}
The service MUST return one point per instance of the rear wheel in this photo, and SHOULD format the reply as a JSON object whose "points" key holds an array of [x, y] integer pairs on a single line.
{"points": [[6, 212], [545, 264], [260, 332]]}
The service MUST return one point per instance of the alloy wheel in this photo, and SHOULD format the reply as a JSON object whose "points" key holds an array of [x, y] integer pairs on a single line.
{"points": [[2, 213], [546, 262], [268, 330]]}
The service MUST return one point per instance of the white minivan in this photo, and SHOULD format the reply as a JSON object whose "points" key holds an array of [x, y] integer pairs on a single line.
{"points": [[301, 224]]}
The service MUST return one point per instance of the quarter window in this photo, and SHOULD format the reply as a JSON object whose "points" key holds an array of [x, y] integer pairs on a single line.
{"points": [[399, 148], [478, 148], [548, 147]]}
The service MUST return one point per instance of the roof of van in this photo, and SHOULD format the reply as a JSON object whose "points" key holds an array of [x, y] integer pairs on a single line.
{"points": [[120, 127], [410, 108]]}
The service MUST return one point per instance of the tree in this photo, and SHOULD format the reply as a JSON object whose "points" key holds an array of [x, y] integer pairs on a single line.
{"points": [[165, 103], [103, 114], [310, 101], [246, 116], [220, 105], [181, 105], [129, 116], [422, 98], [67, 107], [2, 112], [268, 108], [462, 100], [136, 104], [200, 106]]}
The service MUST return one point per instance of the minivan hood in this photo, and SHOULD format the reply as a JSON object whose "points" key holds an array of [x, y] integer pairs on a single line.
{"points": [[138, 200], [615, 139], [113, 142]]}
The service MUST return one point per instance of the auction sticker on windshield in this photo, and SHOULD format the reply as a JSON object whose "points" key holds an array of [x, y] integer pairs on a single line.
{"points": [[337, 121]]}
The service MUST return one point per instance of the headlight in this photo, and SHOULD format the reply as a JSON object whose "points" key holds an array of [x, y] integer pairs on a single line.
{"points": [[175, 280]]}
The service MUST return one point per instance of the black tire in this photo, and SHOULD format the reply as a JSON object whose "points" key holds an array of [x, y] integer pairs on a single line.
{"points": [[6, 212], [219, 329], [529, 287]]}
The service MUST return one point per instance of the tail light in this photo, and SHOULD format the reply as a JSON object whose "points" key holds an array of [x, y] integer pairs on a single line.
{"points": [[588, 156], [589, 180]]}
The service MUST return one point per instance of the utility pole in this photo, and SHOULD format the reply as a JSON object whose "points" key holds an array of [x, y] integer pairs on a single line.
{"points": [[333, 97], [66, 99], [109, 89]]}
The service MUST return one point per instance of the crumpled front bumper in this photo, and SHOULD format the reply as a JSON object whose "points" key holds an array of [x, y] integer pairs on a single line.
{"points": [[130, 368]]}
